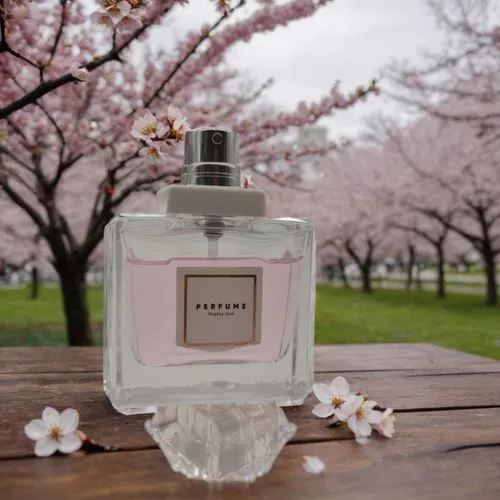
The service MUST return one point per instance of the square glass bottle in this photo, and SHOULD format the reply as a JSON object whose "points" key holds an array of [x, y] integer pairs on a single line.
{"points": [[209, 302]]}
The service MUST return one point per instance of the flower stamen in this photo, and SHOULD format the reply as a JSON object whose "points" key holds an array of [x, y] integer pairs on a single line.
{"points": [[150, 128], [360, 413], [56, 433], [337, 402]]}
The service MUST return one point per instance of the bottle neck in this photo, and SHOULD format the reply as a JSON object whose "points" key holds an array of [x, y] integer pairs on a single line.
{"points": [[211, 174]]}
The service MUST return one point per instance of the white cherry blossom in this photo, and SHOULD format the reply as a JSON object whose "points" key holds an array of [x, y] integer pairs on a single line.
{"points": [[148, 127], [54, 432], [176, 121], [386, 425], [333, 399], [131, 21], [102, 18], [362, 416], [154, 152]]}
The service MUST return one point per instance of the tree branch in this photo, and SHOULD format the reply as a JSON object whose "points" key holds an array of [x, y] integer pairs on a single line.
{"points": [[193, 49], [48, 86], [59, 33], [19, 201], [17, 159]]}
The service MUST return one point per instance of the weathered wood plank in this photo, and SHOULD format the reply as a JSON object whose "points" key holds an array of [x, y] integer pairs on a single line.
{"points": [[50, 359], [382, 470], [24, 397], [362, 357], [331, 358]]}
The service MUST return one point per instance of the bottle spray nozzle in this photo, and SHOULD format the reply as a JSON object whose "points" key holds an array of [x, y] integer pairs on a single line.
{"points": [[211, 158]]}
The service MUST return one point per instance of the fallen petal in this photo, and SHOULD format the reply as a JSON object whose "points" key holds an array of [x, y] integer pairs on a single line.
{"points": [[313, 465]]}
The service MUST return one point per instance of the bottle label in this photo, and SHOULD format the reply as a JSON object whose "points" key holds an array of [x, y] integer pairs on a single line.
{"points": [[219, 307]]}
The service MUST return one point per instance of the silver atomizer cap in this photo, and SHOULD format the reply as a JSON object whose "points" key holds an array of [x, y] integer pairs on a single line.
{"points": [[211, 158]]}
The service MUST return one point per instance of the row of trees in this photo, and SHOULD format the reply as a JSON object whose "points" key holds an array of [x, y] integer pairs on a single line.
{"points": [[430, 182], [71, 92], [73, 83]]}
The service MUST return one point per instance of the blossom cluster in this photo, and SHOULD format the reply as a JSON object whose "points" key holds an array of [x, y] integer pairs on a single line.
{"points": [[159, 131], [359, 414], [124, 16]]}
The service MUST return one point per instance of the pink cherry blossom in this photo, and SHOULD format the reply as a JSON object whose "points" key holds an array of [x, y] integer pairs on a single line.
{"points": [[155, 152], [148, 127]]}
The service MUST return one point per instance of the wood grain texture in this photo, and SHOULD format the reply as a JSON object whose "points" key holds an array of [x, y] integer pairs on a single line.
{"points": [[329, 358], [24, 397], [442, 450], [381, 470], [362, 357]]}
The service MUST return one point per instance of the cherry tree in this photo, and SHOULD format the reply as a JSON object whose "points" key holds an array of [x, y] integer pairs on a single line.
{"points": [[452, 179], [457, 86], [20, 243], [465, 68], [71, 94], [350, 217]]}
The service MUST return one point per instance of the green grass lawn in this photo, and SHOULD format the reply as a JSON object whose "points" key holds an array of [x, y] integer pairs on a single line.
{"points": [[460, 321], [41, 321], [342, 316]]}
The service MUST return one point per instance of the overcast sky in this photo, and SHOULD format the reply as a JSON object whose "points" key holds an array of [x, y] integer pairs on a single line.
{"points": [[348, 40]]}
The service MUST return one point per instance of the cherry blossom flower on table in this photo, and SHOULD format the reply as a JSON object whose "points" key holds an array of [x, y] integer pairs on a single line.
{"points": [[333, 398], [54, 432], [386, 425], [359, 414], [313, 465], [362, 416]]}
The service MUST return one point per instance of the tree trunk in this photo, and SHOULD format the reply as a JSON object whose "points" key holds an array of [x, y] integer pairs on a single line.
{"points": [[364, 265], [366, 284], [35, 283], [411, 264], [74, 292], [491, 278], [418, 278], [441, 287], [343, 276]]}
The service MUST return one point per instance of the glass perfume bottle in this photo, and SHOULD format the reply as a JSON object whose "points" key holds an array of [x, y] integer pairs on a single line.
{"points": [[208, 303]]}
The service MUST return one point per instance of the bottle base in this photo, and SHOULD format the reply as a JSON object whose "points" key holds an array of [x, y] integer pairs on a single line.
{"points": [[221, 443], [138, 400]]}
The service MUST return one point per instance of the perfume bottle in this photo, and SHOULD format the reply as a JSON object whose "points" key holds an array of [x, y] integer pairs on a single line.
{"points": [[208, 302]]}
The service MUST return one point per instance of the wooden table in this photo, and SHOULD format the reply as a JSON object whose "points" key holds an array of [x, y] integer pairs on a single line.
{"points": [[447, 444]]}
